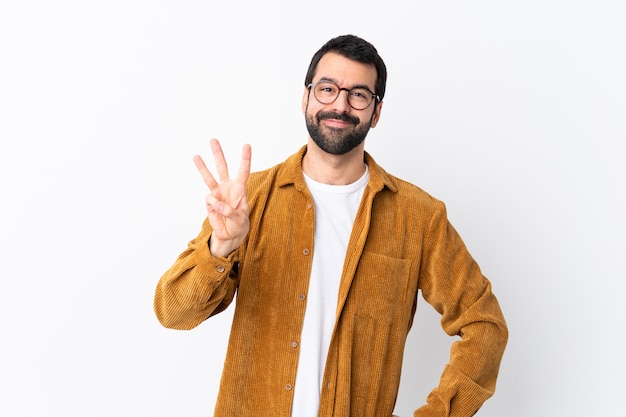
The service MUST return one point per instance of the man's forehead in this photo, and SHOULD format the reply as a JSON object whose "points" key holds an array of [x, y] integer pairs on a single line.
{"points": [[340, 69]]}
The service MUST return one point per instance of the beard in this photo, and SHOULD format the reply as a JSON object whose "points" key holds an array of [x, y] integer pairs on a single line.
{"points": [[336, 141]]}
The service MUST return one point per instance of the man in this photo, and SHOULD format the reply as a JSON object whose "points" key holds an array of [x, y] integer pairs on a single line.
{"points": [[326, 253]]}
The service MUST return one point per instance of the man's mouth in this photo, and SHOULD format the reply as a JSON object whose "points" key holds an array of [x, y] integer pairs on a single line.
{"points": [[333, 119], [335, 123]]}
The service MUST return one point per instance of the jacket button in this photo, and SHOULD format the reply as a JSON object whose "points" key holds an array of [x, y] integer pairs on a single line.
{"points": [[288, 387], [306, 251], [220, 269]]}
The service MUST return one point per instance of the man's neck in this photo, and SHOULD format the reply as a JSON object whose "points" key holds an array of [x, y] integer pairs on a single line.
{"points": [[333, 169]]}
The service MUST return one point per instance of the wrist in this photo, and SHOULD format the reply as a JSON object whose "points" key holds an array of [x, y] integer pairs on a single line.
{"points": [[221, 248]]}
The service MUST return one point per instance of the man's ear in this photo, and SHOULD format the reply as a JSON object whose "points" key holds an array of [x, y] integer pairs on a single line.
{"points": [[376, 115], [305, 99]]}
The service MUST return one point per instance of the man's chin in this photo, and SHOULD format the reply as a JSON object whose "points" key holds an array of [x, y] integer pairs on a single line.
{"points": [[335, 146]]}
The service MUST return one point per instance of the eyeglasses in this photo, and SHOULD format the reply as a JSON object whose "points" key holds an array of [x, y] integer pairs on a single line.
{"points": [[326, 92]]}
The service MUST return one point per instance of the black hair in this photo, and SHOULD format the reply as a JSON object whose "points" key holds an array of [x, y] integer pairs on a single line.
{"points": [[356, 49]]}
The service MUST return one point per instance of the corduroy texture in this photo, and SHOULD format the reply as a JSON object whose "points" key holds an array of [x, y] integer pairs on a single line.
{"points": [[401, 242]]}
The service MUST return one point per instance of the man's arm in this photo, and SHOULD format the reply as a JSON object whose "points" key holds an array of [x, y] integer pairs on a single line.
{"points": [[197, 286], [202, 282], [453, 284]]}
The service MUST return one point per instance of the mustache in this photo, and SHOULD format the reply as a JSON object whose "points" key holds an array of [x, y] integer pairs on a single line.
{"points": [[338, 116]]}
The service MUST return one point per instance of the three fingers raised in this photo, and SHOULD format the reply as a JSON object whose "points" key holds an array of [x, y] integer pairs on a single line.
{"points": [[222, 167]]}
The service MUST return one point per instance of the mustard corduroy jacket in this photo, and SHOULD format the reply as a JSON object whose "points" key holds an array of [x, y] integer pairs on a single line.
{"points": [[401, 242]]}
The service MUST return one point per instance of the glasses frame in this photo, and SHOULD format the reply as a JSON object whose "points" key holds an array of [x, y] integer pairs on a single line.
{"points": [[375, 96]]}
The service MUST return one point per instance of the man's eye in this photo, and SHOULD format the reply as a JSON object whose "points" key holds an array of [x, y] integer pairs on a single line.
{"points": [[360, 93], [327, 90]]}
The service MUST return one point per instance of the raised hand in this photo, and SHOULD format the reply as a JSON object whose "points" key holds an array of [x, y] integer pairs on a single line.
{"points": [[227, 205]]}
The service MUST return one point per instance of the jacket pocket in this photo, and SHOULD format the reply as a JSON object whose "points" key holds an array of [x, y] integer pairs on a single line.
{"points": [[380, 285]]}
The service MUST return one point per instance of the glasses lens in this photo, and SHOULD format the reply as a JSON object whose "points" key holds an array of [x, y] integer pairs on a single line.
{"points": [[360, 98], [326, 92]]}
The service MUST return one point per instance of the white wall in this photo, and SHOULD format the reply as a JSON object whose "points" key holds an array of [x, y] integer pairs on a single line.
{"points": [[511, 112]]}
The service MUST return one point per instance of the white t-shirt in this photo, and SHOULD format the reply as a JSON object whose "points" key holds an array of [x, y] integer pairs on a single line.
{"points": [[335, 210]]}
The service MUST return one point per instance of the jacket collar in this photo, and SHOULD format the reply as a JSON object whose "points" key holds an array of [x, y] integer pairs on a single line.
{"points": [[291, 173]]}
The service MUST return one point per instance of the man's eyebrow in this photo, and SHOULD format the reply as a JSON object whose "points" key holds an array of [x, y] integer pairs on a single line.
{"points": [[363, 86], [354, 86], [328, 79]]}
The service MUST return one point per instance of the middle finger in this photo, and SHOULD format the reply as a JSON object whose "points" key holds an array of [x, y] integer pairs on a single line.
{"points": [[220, 161]]}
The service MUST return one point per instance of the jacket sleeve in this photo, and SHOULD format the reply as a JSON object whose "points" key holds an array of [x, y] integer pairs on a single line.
{"points": [[197, 286], [453, 284]]}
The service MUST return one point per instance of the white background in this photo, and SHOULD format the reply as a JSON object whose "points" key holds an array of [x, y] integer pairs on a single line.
{"points": [[513, 113]]}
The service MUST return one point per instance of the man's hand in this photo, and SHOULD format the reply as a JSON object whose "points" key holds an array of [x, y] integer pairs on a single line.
{"points": [[227, 205]]}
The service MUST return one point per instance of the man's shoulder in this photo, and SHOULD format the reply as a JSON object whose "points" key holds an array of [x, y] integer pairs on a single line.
{"points": [[288, 171], [409, 189], [268, 174], [404, 190], [410, 194]]}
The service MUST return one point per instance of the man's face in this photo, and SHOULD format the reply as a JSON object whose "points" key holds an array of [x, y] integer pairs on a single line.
{"points": [[337, 128]]}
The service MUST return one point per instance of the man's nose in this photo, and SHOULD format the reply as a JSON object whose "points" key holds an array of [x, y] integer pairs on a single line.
{"points": [[341, 103]]}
